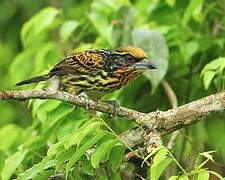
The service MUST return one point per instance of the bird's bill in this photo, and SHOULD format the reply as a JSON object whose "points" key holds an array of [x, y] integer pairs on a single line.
{"points": [[144, 64]]}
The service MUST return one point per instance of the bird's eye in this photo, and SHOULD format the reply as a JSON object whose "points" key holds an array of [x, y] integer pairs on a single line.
{"points": [[129, 57]]}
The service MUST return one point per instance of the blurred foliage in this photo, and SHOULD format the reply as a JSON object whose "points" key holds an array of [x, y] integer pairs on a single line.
{"points": [[48, 138]]}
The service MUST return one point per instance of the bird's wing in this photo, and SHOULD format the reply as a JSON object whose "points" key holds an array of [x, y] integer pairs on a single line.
{"points": [[86, 62]]}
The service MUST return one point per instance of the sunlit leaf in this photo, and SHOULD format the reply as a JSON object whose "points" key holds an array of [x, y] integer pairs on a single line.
{"points": [[171, 2], [12, 163], [67, 29], [37, 168], [156, 48], [208, 155], [207, 78], [203, 175], [192, 6], [11, 131], [160, 163], [101, 152], [36, 29], [77, 137], [116, 156], [81, 151]]}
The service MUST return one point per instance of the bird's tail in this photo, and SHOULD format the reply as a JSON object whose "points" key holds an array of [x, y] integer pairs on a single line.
{"points": [[33, 80]]}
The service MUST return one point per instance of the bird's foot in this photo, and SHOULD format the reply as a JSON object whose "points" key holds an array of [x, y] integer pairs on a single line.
{"points": [[116, 105], [85, 97]]}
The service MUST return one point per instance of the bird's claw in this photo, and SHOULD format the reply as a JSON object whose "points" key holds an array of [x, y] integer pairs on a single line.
{"points": [[116, 105], [85, 97]]}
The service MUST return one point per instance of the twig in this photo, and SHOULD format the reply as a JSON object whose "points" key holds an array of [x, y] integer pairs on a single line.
{"points": [[174, 103], [170, 93]]}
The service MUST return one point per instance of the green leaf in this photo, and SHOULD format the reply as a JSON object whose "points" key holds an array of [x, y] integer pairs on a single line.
{"points": [[101, 152], [184, 177], [37, 168], [81, 151], [103, 27], [47, 54], [192, 7], [197, 14], [171, 3], [11, 163], [19, 63], [116, 176], [152, 153], [2, 160], [67, 29], [64, 155], [203, 175], [188, 50], [214, 69], [87, 168], [12, 132], [160, 162], [154, 44], [173, 178], [53, 149], [37, 28], [208, 155], [80, 134], [116, 157], [207, 78]]}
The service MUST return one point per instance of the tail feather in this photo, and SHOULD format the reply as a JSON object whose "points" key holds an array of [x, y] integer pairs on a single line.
{"points": [[33, 80]]}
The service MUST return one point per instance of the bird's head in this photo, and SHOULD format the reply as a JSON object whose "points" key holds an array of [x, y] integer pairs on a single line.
{"points": [[131, 57]]}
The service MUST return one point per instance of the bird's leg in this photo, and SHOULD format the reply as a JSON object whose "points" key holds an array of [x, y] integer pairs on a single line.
{"points": [[85, 97], [116, 105]]}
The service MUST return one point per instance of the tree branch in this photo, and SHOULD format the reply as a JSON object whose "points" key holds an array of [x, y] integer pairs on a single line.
{"points": [[163, 122]]}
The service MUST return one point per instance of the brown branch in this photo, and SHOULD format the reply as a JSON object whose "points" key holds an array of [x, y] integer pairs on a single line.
{"points": [[70, 98], [163, 122]]}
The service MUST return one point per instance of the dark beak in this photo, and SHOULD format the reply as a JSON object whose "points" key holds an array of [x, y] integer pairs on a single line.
{"points": [[144, 64]]}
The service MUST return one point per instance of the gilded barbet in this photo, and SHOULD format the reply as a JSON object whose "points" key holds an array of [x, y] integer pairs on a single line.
{"points": [[96, 72]]}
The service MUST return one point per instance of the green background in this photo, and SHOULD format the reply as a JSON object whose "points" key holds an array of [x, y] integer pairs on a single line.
{"points": [[185, 39]]}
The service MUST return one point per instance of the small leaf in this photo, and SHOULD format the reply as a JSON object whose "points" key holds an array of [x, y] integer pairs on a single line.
{"points": [[192, 6], [184, 177], [11, 164], [67, 29], [12, 132], [203, 175], [78, 136], [173, 178], [64, 155], [160, 162], [152, 153], [207, 78], [101, 152], [81, 151], [36, 29], [25, 68], [37, 168], [188, 50], [208, 155], [171, 3], [116, 157], [87, 168], [2, 160]]}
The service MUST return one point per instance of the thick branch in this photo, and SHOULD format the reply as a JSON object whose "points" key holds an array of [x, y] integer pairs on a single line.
{"points": [[164, 122]]}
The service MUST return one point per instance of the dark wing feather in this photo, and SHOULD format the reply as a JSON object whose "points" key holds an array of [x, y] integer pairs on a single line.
{"points": [[80, 63]]}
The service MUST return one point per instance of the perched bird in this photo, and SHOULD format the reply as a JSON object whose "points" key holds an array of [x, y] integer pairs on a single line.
{"points": [[96, 72]]}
